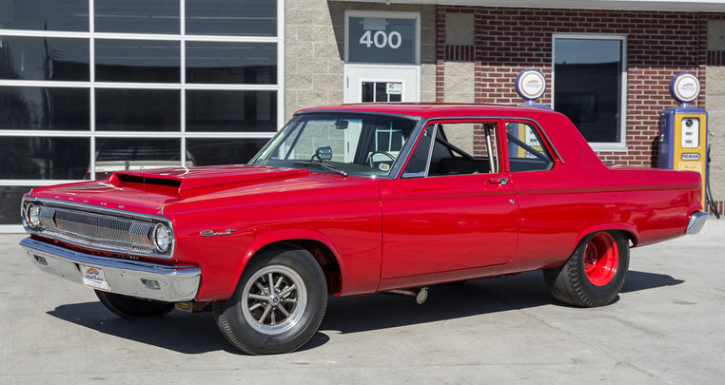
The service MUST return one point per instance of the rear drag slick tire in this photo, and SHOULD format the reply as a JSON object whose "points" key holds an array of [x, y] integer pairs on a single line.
{"points": [[595, 272]]}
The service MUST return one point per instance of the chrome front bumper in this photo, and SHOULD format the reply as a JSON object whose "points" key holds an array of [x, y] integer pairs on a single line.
{"points": [[133, 278], [697, 221]]}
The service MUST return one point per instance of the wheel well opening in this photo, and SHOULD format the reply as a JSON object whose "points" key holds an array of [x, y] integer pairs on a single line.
{"points": [[631, 238], [322, 254]]}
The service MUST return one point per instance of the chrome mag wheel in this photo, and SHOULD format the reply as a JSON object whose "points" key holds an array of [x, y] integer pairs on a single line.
{"points": [[274, 298]]}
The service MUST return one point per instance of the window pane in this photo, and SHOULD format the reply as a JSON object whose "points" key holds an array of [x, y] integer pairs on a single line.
{"points": [[204, 152], [237, 17], [135, 154], [43, 58], [588, 86], [419, 159], [44, 158], [525, 149], [238, 111], [44, 108], [137, 16], [10, 198], [381, 96], [138, 61], [44, 15], [243, 63], [138, 110], [368, 92], [463, 148]]}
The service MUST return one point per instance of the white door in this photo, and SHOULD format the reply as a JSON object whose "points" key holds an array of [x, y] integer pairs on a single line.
{"points": [[370, 83]]}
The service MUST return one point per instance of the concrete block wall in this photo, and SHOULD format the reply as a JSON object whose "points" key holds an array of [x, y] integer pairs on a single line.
{"points": [[315, 47], [313, 64]]}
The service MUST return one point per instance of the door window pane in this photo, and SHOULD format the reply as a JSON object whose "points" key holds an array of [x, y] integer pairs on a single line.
{"points": [[526, 151], [242, 63], [44, 15], [44, 158], [44, 108], [418, 161], [138, 61], [138, 110], [237, 111], [205, 152], [237, 17], [43, 58], [588, 86], [137, 16], [382, 92], [464, 148], [134, 154]]}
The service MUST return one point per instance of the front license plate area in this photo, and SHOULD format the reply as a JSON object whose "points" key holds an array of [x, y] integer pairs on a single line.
{"points": [[94, 277]]}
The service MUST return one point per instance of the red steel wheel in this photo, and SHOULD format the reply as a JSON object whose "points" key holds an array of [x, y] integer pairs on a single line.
{"points": [[601, 259], [595, 271]]}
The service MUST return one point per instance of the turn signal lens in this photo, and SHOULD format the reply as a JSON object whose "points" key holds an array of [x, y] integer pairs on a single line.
{"points": [[162, 237]]}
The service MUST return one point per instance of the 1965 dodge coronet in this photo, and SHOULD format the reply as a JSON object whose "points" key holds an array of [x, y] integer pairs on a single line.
{"points": [[358, 199]]}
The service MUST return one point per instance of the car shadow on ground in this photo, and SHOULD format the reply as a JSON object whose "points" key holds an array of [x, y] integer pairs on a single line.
{"points": [[197, 333]]}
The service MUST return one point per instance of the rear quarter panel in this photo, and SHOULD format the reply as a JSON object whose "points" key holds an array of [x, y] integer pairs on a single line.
{"points": [[559, 207]]}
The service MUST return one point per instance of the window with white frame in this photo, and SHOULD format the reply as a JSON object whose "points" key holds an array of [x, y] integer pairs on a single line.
{"points": [[590, 85], [88, 87]]}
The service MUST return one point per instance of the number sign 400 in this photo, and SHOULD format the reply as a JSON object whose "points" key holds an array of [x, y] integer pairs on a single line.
{"points": [[382, 39]]}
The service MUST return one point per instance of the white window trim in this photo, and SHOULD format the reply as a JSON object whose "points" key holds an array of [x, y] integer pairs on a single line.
{"points": [[383, 15], [91, 84], [620, 146]]}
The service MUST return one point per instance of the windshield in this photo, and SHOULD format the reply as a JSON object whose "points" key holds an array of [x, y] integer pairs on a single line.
{"points": [[343, 143]]}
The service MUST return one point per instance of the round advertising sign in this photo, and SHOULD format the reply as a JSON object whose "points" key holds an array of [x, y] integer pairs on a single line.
{"points": [[530, 84], [685, 87]]}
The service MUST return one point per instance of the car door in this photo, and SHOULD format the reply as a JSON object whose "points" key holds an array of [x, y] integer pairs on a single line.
{"points": [[452, 208]]}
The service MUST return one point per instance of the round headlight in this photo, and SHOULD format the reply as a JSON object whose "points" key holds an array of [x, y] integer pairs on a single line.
{"points": [[162, 237], [33, 215]]}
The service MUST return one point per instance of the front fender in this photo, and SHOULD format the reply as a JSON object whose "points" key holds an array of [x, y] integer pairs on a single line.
{"points": [[281, 236]]}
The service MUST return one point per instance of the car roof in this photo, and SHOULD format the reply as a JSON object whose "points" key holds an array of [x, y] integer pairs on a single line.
{"points": [[435, 110]]}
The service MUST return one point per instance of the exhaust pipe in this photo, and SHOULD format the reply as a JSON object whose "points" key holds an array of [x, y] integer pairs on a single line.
{"points": [[419, 293]]}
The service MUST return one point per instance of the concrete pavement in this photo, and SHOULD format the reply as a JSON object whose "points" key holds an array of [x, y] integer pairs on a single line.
{"points": [[668, 327]]}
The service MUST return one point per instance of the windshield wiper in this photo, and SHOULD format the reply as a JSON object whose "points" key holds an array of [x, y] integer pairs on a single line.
{"points": [[322, 165]]}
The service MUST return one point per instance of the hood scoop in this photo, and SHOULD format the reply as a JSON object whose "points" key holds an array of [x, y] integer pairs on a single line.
{"points": [[180, 180]]}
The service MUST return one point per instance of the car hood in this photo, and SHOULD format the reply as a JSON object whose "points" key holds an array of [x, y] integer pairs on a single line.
{"points": [[184, 180], [168, 191], [150, 191]]}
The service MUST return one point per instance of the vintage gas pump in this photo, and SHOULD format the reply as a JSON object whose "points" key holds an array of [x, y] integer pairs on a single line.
{"points": [[683, 131]]}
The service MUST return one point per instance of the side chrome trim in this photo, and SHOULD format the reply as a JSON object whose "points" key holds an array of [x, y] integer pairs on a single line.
{"points": [[697, 222], [132, 278]]}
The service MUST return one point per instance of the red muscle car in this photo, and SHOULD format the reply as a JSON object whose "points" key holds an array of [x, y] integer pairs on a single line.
{"points": [[357, 199]]}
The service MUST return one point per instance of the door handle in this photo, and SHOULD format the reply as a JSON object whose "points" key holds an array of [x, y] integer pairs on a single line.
{"points": [[501, 181]]}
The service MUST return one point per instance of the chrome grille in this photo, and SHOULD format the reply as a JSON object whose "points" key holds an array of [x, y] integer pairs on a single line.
{"points": [[99, 229]]}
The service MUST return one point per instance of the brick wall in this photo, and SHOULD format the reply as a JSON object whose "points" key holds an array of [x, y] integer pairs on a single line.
{"points": [[659, 45]]}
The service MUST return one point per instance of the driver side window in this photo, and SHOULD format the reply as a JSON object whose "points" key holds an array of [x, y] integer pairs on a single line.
{"points": [[463, 148]]}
